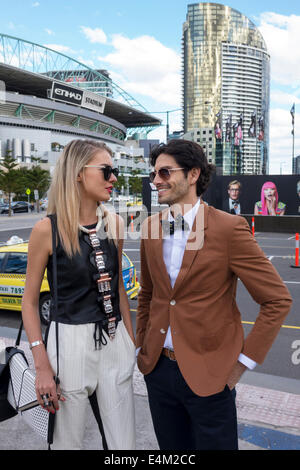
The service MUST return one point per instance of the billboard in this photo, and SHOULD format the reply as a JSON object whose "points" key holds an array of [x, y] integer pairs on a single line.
{"points": [[66, 94], [259, 194], [78, 97], [94, 102]]}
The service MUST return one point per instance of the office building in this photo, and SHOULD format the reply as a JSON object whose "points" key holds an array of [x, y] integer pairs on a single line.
{"points": [[226, 83]]}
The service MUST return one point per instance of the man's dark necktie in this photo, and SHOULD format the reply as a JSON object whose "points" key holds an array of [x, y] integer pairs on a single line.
{"points": [[169, 227]]}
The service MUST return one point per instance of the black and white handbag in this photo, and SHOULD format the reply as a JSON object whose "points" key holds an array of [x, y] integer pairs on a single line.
{"points": [[21, 393]]}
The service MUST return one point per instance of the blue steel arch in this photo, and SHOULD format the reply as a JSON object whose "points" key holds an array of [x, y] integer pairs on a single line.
{"points": [[40, 59]]}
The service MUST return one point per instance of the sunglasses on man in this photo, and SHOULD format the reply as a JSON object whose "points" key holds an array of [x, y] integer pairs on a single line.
{"points": [[107, 170], [163, 173]]}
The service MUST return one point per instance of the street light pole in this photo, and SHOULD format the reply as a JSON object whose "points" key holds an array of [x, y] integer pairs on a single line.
{"points": [[293, 134], [167, 125]]}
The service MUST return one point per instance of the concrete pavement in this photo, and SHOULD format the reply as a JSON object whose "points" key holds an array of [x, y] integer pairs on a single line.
{"points": [[268, 419]]}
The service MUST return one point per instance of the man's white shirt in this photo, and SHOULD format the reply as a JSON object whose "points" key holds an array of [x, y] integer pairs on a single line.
{"points": [[173, 251], [231, 206]]}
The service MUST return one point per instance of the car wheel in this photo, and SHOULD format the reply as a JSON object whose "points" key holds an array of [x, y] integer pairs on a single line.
{"points": [[44, 308]]}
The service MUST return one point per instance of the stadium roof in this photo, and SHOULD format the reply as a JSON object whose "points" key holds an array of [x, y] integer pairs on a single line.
{"points": [[24, 65]]}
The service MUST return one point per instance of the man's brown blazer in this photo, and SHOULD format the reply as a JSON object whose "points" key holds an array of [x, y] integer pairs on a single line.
{"points": [[201, 309]]}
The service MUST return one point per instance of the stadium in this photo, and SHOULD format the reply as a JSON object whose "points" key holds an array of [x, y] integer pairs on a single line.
{"points": [[48, 99]]}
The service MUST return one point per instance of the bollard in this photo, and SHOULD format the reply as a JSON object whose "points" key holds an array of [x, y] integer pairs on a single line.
{"points": [[253, 227], [296, 265], [131, 223]]}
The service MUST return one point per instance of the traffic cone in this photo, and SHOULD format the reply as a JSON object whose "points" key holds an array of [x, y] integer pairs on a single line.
{"points": [[296, 265], [253, 227]]}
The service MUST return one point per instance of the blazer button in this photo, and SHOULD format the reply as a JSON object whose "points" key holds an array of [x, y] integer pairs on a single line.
{"points": [[162, 331], [173, 302]]}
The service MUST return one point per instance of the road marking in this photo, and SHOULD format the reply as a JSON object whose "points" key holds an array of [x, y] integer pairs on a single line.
{"points": [[274, 238], [281, 247], [282, 326], [282, 256]]}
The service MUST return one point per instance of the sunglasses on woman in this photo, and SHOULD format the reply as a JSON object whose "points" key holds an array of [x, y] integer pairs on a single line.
{"points": [[163, 173], [107, 170]]}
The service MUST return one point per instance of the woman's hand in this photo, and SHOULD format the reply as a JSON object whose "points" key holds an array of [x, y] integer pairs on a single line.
{"points": [[47, 392], [271, 204]]}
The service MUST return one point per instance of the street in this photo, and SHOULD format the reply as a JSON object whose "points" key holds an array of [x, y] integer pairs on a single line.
{"points": [[282, 362]]}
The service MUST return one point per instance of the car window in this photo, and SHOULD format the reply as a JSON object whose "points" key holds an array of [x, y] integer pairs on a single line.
{"points": [[2, 256], [16, 263], [125, 262]]}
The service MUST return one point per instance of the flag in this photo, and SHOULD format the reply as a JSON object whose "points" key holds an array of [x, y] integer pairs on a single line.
{"points": [[261, 134], [218, 126], [228, 128], [292, 111], [252, 128], [238, 131]]}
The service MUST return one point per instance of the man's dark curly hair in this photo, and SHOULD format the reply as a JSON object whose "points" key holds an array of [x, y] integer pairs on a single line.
{"points": [[188, 155]]}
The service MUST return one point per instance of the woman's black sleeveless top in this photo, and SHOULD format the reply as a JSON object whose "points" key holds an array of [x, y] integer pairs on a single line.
{"points": [[78, 299]]}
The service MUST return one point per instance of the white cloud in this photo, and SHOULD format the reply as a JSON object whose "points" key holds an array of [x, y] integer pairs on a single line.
{"points": [[282, 35], [59, 48], [280, 97], [90, 63], [35, 4], [147, 68], [49, 31], [96, 35], [281, 140]]}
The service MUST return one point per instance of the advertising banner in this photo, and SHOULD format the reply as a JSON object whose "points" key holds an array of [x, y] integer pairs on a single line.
{"points": [[66, 94], [76, 96], [94, 102]]}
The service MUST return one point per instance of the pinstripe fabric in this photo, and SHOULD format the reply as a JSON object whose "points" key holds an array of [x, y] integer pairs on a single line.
{"points": [[82, 371]]}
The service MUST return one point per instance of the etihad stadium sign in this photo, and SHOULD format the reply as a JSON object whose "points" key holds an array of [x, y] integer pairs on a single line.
{"points": [[78, 97]]}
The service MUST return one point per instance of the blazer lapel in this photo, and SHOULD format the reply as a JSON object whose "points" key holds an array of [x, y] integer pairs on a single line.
{"points": [[194, 243], [157, 249]]}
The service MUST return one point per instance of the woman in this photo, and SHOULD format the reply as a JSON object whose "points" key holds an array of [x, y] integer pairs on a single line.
{"points": [[269, 205], [95, 335]]}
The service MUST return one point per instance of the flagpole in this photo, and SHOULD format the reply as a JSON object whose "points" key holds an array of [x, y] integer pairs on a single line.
{"points": [[293, 148], [293, 133]]}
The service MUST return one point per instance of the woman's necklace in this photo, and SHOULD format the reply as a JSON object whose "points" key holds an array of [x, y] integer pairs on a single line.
{"points": [[103, 282]]}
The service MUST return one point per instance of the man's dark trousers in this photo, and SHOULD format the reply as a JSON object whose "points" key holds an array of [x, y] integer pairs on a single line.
{"points": [[184, 421]]}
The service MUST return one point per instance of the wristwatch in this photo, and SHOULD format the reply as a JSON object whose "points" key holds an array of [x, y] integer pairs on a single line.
{"points": [[35, 343]]}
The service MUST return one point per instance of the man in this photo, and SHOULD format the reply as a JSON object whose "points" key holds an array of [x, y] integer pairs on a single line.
{"points": [[232, 204], [190, 338]]}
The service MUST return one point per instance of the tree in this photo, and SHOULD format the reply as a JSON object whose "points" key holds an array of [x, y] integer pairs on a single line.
{"points": [[135, 183], [38, 179], [8, 177], [21, 183], [121, 182]]}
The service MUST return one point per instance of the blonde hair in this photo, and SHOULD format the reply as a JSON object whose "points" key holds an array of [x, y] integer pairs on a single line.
{"points": [[64, 194], [235, 182]]}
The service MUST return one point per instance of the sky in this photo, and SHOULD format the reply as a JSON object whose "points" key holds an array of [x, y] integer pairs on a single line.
{"points": [[139, 43]]}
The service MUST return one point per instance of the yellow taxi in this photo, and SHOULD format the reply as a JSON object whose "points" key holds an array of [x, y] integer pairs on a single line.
{"points": [[13, 263]]}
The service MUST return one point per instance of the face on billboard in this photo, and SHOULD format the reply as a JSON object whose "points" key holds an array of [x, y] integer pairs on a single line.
{"points": [[234, 192], [269, 193]]}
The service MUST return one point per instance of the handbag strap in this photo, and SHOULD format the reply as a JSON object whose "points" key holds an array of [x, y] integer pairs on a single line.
{"points": [[54, 267], [17, 343], [54, 281]]}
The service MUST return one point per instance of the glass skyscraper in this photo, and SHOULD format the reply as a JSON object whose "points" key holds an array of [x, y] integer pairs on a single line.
{"points": [[226, 86]]}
